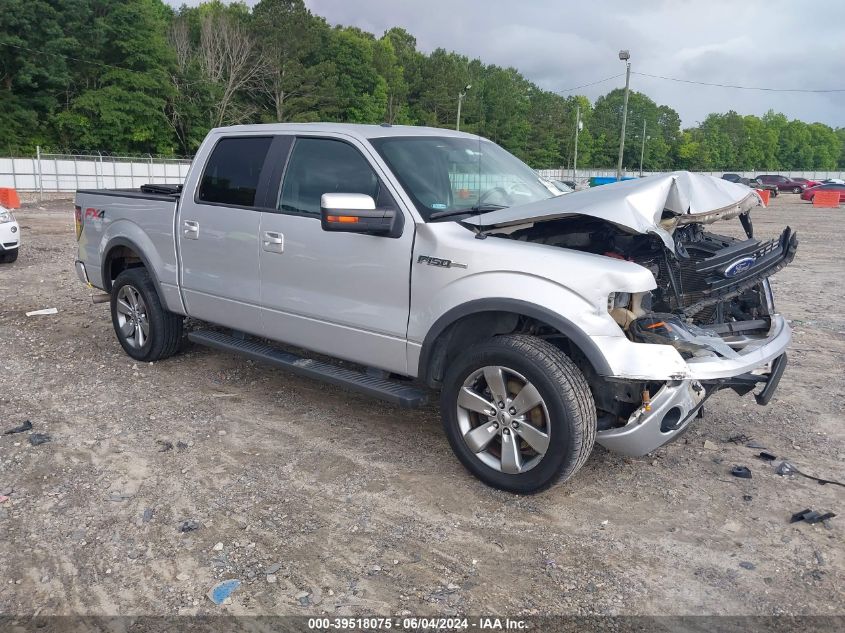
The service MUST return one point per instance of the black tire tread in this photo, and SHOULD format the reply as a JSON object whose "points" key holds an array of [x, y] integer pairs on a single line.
{"points": [[572, 393], [166, 343], [560, 368]]}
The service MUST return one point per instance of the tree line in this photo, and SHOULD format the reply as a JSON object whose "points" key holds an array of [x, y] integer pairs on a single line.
{"points": [[136, 76]]}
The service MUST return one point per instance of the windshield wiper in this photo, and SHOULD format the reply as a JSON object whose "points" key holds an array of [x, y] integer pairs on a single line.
{"points": [[479, 208]]}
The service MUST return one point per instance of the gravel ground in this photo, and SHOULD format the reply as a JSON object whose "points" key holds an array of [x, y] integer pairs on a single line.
{"points": [[325, 502]]}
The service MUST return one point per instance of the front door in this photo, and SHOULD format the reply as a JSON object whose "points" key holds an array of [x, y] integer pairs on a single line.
{"points": [[218, 233], [342, 294]]}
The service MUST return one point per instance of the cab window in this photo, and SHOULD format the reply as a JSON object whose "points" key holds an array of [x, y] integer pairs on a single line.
{"points": [[319, 166], [233, 171]]}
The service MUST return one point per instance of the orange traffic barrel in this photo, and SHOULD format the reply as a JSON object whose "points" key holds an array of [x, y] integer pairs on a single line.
{"points": [[764, 193], [9, 198], [829, 199]]}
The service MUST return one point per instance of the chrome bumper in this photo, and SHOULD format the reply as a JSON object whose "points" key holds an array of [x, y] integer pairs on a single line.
{"points": [[669, 413], [673, 407]]}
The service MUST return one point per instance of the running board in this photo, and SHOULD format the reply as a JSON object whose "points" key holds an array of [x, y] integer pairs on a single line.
{"points": [[406, 396]]}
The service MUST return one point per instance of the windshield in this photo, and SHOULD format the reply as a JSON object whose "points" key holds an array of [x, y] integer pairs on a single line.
{"points": [[445, 174]]}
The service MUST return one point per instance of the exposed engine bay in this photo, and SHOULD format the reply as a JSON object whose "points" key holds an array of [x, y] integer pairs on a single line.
{"points": [[712, 296]]}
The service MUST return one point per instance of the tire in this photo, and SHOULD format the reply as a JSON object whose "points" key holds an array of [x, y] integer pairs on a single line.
{"points": [[796, 190], [160, 339], [564, 422], [9, 256], [774, 193]]}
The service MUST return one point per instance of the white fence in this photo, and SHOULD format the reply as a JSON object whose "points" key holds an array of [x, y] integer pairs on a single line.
{"points": [[50, 173]]}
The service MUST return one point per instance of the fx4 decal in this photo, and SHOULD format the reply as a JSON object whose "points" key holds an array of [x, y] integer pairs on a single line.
{"points": [[440, 263]]}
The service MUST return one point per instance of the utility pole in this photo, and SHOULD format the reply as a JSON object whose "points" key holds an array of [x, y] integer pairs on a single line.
{"points": [[624, 56], [577, 129], [461, 96], [642, 151]]}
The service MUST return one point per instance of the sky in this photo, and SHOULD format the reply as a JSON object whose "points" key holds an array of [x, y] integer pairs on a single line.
{"points": [[561, 44]]}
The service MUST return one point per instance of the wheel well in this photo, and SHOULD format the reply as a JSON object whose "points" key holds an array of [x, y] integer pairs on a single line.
{"points": [[474, 328], [117, 260]]}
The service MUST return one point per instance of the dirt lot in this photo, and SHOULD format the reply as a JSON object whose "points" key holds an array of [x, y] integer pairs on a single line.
{"points": [[325, 502]]}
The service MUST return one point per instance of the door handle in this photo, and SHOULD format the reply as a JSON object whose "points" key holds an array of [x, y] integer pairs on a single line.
{"points": [[191, 229], [274, 242]]}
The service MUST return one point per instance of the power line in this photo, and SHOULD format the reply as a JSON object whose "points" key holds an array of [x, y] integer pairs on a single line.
{"points": [[704, 83], [76, 59], [592, 83]]}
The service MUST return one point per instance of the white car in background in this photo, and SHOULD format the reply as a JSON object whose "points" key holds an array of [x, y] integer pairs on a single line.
{"points": [[10, 236]]}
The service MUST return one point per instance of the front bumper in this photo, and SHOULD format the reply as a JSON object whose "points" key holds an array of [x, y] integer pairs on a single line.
{"points": [[10, 236], [676, 404]]}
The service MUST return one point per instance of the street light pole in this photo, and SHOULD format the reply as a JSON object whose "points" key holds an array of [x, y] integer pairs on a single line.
{"points": [[642, 151], [461, 96], [577, 129], [624, 56]]}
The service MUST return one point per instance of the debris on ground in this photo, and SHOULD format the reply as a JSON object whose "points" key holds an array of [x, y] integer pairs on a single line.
{"points": [[769, 457], [190, 525], [43, 312], [37, 439], [148, 515], [220, 592], [166, 445], [747, 497], [743, 472], [740, 438], [710, 446], [785, 468], [811, 516], [3, 498], [746, 565], [753, 444], [23, 428]]}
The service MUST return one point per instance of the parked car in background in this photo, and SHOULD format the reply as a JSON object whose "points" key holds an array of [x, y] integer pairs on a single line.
{"points": [[833, 181], [735, 178], [756, 184], [564, 186], [10, 236], [810, 193], [782, 183], [809, 183]]}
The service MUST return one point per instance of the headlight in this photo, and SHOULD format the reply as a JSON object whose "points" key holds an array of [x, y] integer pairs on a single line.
{"points": [[6, 216]]}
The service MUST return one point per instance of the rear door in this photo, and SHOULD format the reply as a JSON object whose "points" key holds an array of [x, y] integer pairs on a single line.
{"points": [[218, 233], [342, 294]]}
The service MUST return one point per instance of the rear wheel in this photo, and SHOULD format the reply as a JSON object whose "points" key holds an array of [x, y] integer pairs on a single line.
{"points": [[518, 413], [796, 190], [145, 330]]}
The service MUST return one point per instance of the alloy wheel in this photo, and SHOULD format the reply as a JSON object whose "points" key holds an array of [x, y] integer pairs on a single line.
{"points": [[503, 419]]}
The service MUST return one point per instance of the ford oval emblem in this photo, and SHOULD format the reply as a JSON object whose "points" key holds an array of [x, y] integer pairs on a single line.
{"points": [[738, 267]]}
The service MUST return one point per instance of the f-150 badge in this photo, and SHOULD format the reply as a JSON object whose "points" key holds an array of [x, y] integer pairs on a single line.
{"points": [[440, 263]]}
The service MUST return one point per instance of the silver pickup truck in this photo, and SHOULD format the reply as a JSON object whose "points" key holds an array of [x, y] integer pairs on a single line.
{"points": [[435, 260]]}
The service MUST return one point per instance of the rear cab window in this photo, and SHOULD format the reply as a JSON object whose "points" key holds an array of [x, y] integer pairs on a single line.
{"points": [[233, 171]]}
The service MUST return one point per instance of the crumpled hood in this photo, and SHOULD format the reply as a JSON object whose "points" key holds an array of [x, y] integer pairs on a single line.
{"points": [[637, 205]]}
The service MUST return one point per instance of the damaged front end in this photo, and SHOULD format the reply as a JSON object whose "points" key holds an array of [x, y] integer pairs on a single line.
{"points": [[712, 302]]}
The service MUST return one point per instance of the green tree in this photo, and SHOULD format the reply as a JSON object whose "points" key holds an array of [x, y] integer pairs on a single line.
{"points": [[123, 110]]}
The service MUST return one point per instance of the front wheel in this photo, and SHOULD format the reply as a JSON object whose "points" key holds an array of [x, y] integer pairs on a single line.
{"points": [[518, 413], [9, 256], [796, 190], [145, 330]]}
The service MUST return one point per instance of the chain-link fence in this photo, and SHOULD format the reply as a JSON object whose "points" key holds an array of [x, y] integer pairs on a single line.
{"points": [[68, 171]]}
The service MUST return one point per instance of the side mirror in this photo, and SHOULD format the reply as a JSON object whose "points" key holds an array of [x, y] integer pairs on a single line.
{"points": [[357, 213]]}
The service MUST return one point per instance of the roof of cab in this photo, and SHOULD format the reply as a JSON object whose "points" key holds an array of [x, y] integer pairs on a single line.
{"points": [[358, 130]]}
